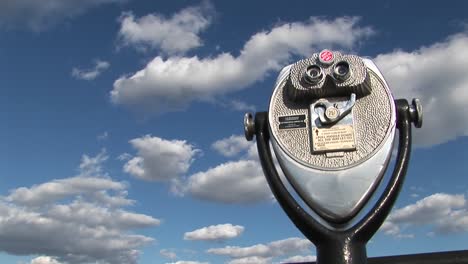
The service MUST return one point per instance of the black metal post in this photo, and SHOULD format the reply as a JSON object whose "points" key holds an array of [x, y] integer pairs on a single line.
{"points": [[341, 250]]}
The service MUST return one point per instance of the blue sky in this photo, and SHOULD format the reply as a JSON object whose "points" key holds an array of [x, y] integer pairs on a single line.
{"points": [[122, 136]]}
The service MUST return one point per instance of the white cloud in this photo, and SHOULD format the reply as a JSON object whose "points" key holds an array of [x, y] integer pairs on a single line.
{"points": [[241, 106], [103, 136], [168, 160], [116, 219], [231, 146], [252, 153], [299, 258], [118, 198], [241, 181], [188, 262], [215, 232], [232, 182], [437, 75], [124, 156], [92, 166], [92, 182], [159, 159], [73, 220], [39, 15], [263, 253], [52, 191], [44, 260], [234, 104], [168, 253], [174, 35], [172, 83], [435, 206], [92, 73], [445, 213], [251, 260]]}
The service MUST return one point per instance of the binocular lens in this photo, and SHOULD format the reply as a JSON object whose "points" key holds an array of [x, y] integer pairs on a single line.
{"points": [[313, 74], [341, 71]]}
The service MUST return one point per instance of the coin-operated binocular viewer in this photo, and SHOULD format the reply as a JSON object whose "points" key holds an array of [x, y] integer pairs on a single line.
{"points": [[332, 122]]}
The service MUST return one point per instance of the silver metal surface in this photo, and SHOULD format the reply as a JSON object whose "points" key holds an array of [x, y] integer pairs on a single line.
{"points": [[336, 186]]}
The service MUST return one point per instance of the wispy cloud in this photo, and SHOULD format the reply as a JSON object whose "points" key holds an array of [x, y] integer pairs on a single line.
{"points": [[40, 15], [231, 146], [168, 253], [299, 259], [92, 73], [103, 136], [240, 106], [187, 262]]}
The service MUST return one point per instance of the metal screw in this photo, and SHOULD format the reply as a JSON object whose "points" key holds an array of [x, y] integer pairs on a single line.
{"points": [[416, 113], [249, 126]]}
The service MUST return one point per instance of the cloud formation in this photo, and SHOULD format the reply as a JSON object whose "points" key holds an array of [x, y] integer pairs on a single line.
{"points": [[39, 15], [231, 182], [174, 35], [251, 260], [436, 74], [160, 159], [240, 181], [263, 253], [231, 146], [444, 213], [215, 232], [54, 190], [44, 260], [73, 220], [299, 259], [168, 253], [188, 262], [103, 136], [91, 74], [172, 83], [91, 181]]}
